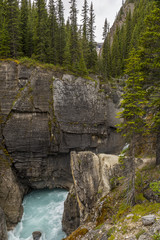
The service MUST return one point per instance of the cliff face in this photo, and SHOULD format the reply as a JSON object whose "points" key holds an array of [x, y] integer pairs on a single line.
{"points": [[45, 115], [3, 229], [93, 176], [121, 17]]}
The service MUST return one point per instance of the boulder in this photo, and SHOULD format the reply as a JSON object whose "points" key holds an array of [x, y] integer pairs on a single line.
{"points": [[36, 235], [148, 220]]}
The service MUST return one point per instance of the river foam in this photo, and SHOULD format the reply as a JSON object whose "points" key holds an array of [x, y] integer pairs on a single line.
{"points": [[43, 211]]}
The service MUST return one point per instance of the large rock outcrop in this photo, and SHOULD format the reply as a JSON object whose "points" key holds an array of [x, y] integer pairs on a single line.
{"points": [[11, 193], [3, 229], [92, 175], [45, 115]]}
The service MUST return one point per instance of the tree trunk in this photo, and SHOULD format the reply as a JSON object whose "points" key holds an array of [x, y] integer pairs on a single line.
{"points": [[158, 148]]}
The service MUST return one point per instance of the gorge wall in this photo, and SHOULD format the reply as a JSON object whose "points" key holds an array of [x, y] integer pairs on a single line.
{"points": [[45, 115]]}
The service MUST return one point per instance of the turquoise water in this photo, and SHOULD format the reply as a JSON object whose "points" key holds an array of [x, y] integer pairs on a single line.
{"points": [[43, 210]]}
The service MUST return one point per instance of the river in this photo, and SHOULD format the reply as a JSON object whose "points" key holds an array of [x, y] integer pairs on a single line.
{"points": [[43, 210]]}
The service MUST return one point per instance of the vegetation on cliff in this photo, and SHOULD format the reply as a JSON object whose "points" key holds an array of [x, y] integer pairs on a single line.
{"points": [[34, 30]]}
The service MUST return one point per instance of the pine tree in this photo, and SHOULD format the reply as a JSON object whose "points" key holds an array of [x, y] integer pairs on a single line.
{"points": [[106, 56], [141, 98], [61, 42], [134, 126], [74, 44], [128, 34], [24, 25], [30, 30], [13, 28], [150, 64], [4, 35], [116, 54], [92, 59], [53, 26], [85, 22], [41, 31], [105, 29]]}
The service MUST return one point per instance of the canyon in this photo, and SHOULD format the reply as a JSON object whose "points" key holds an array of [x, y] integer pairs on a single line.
{"points": [[44, 116]]}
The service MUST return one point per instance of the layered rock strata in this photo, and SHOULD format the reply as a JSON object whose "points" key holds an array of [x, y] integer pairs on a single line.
{"points": [[45, 115]]}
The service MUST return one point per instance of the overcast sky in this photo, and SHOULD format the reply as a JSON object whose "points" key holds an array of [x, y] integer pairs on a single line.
{"points": [[102, 9]]}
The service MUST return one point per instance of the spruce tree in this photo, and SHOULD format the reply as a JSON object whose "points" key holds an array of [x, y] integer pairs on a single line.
{"points": [[41, 31], [4, 35], [61, 41], [106, 53], [74, 44], [85, 20], [105, 29], [85, 25], [128, 33], [30, 29], [53, 26], [24, 26], [13, 28], [92, 59], [116, 54]]}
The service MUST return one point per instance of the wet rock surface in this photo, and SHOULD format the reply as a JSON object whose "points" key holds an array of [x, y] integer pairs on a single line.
{"points": [[36, 235]]}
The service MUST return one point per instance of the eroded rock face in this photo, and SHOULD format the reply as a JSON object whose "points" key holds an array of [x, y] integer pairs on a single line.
{"points": [[92, 175], [46, 115], [71, 217], [11, 194], [3, 229]]}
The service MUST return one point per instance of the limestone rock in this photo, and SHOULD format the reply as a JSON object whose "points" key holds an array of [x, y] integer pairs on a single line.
{"points": [[46, 115], [3, 229], [91, 175], [145, 236], [11, 194], [148, 220], [36, 235], [71, 218]]}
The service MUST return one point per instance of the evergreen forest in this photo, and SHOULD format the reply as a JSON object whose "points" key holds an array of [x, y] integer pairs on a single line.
{"points": [[38, 31]]}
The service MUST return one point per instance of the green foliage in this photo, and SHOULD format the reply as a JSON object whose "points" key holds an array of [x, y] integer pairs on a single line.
{"points": [[155, 186], [156, 236], [125, 37], [141, 102], [140, 233], [144, 209], [33, 29]]}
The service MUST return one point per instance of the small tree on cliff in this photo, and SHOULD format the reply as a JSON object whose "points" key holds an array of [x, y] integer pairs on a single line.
{"points": [[92, 59], [141, 98]]}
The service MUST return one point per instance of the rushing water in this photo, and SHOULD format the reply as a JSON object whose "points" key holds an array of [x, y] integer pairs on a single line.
{"points": [[43, 211]]}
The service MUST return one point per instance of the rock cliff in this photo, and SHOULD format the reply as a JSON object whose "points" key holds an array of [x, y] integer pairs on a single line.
{"points": [[45, 115], [3, 229], [11, 193], [93, 177]]}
